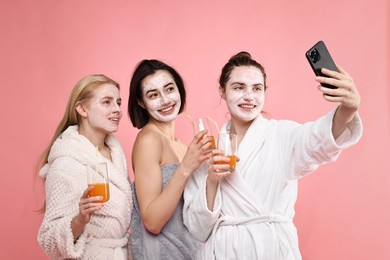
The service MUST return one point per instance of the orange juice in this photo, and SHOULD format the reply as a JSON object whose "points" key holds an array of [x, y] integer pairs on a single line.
{"points": [[100, 189], [232, 162], [213, 146]]}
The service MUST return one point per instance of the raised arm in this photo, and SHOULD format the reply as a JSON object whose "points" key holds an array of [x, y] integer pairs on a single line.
{"points": [[346, 94], [215, 173], [157, 205]]}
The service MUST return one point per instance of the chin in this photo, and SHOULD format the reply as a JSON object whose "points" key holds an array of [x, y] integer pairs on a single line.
{"points": [[245, 118], [113, 130]]}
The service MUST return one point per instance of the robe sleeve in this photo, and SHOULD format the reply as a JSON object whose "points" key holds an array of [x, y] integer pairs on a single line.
{"points": [[313, 144], [62, 199], [197, 217]]}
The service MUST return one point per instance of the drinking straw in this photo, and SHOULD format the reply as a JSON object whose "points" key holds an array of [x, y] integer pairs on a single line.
{"points": [[97, 159], [192, 122], [215, 123]]}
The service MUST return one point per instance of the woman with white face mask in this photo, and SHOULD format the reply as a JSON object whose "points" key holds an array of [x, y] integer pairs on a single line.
{"points": [[76, 226], [162, 164], [248, 214]]}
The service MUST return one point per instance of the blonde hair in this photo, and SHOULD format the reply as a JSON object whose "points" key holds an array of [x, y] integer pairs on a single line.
{"points": [[82, 91]]}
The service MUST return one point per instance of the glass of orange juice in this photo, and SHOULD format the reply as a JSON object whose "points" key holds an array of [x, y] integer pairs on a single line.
{"points": [[228, 144], [97, 176], [202, 124]]}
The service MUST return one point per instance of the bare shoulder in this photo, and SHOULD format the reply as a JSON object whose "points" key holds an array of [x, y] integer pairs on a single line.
{"points": [[147, 146], [147, 138]]}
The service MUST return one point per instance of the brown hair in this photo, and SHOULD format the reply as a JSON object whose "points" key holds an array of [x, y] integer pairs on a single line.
{"points": [[242, 58], [138, 115]]}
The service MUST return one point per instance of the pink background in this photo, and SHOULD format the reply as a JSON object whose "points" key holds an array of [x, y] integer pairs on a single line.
{"points": [[46, 46]]}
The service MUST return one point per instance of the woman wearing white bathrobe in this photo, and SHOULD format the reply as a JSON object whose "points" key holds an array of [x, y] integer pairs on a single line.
{"points": [[75, 226], [248, 214]]}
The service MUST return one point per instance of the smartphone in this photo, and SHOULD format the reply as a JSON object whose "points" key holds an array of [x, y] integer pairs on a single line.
{"points": [[319, 57]]}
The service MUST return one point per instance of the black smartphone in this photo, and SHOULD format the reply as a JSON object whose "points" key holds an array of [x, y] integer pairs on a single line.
{"points": [[319, 57]]}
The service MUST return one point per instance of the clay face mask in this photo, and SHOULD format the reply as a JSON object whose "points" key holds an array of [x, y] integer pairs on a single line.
{"points": [[244, 93], [161, 97], [104, 112]]}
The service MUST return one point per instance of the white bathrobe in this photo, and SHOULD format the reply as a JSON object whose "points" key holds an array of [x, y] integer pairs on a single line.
{"points": [[106, 235], [254, 207]]}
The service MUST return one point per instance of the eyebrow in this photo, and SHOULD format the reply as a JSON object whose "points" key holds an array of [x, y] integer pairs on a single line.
{"points": [[152, 90], [111, 98], [243, 84]]}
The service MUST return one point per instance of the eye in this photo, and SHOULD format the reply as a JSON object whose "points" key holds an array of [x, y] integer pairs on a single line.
{"points": [[152, 95], [170, 89], [106, 101], [258, 88], [238, 87], [119, 102]]}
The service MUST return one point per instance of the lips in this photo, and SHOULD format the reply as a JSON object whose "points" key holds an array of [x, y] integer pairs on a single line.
{"points": [[167, 109], [247, 106], [114, 119]]}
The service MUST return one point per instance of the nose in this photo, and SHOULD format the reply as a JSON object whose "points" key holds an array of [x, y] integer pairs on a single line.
{"points": [[248, 95], [117, 108], [164, 100]]}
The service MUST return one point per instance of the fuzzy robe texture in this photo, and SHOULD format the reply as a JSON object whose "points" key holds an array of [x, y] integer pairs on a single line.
{"points": [[253, 209], [106, 235]]}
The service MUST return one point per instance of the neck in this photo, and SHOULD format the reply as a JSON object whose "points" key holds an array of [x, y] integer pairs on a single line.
{"points": [[240, 128], [165, 129], [96, 138]]}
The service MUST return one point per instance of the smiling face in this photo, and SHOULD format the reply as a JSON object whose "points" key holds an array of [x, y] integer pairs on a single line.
{"points": [[244, 93], [102, 113], [160, 96]]}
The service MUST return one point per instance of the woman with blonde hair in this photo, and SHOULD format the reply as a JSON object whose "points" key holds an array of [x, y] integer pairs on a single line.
{"points": [[75, 225]]}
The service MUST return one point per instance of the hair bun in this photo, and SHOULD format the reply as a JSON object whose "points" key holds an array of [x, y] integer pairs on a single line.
{"points": [[243, 58], [242, 55]]}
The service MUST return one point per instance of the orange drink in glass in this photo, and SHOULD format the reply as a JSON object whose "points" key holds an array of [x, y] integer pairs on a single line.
{"points": [[97, 176], [205, 124], [228, 144]]}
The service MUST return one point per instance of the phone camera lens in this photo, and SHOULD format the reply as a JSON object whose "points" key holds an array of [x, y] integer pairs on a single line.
{"points": [[314, 55]]}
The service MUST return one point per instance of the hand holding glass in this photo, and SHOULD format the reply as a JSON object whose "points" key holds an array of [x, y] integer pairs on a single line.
{"points": [[228, 144], [204, 123], [97, 176]]}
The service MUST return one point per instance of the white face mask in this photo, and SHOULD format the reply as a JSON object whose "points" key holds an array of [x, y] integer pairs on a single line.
{"points": [[244, 93], [160, 96], [103, 109]]}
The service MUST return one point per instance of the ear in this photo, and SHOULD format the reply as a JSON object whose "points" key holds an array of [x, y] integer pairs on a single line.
{"points": [[82, 110], [141, 103], [222, 93]]}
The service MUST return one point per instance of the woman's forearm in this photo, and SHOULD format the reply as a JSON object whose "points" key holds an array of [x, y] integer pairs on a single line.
{"points": [[211, 191], [163, 207], [341, 119], [77, 226]]}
